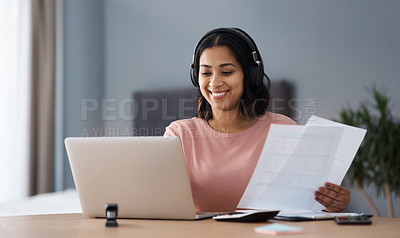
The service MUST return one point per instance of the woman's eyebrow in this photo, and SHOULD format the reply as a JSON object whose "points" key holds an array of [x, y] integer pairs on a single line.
{"points": [[226, 64], [206, 66], [221, 65]]}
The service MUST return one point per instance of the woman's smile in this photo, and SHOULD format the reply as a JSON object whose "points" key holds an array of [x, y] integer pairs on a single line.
{"points": [[219, 94]]}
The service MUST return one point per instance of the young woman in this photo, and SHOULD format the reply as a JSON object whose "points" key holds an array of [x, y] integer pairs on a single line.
{"points": [[223, 143]]}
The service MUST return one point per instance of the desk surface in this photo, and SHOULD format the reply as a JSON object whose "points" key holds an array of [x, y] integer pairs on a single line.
{"points": [[76, 225]]}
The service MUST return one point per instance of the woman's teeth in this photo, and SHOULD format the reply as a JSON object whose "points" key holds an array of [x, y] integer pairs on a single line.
{"points": [[218, 94]]}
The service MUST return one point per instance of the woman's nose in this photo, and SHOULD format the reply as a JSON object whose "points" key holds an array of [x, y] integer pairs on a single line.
{"points": [[215, 81]]}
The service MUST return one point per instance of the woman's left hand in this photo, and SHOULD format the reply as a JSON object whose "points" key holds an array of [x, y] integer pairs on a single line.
{"points": [[334, 197]]}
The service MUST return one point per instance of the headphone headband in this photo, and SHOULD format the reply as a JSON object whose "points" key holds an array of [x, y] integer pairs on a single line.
{"points": [[239, 33]]}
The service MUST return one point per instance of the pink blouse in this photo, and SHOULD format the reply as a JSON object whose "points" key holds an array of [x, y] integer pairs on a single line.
{"points": [[220, 165]]}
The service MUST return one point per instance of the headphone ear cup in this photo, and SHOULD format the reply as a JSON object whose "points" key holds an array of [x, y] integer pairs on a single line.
{"points": [[255, 75], [193, 77]]}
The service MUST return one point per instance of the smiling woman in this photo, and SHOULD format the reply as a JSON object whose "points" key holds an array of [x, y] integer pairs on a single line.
{"points": [[223, 143]]}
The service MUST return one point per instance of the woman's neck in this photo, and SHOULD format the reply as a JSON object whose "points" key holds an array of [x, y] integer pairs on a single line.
{"points": [[230, 122]]}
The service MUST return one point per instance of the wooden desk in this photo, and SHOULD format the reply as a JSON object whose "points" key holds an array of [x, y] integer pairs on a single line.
{"points": [[75, 225]]}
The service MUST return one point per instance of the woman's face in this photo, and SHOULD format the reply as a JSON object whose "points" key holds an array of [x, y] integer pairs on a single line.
{"points": [[220, 78]]}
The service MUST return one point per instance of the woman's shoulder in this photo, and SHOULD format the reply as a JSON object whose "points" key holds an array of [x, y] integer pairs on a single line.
{"points": [[276, 118], [191, 122], [185, 125]]}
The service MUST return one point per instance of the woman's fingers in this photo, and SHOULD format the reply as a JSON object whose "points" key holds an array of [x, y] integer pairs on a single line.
{"points": [[334, 197]]}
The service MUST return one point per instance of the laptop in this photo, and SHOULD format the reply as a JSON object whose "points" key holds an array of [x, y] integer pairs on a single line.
{"points": [[145, 176]]}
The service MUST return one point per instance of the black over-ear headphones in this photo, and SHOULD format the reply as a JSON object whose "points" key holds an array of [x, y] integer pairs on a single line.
{"points": [[255, 70]]}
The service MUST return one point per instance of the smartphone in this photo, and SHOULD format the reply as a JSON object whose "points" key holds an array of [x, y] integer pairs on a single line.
{"points": [[353, 220]]}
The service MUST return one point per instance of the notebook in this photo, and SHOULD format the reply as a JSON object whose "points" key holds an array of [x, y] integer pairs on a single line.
{"points": [[145, 176]]}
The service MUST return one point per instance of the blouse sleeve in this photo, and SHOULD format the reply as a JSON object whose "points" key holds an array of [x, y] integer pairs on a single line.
{"points": [[171, 130]]}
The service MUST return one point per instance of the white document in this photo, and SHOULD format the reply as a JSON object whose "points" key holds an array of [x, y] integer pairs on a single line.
{"points": [[295, 161], [348, 146]]}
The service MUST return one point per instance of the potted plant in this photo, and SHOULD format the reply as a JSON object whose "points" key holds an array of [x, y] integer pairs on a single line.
{"points": [[378, 158]]}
